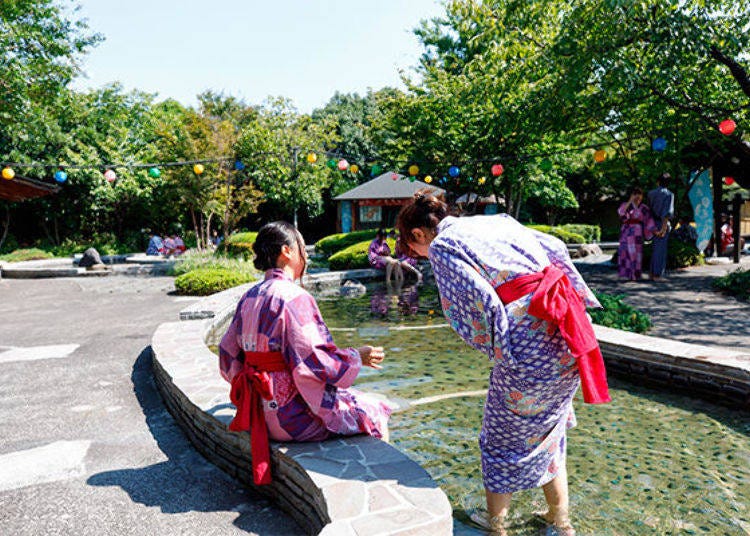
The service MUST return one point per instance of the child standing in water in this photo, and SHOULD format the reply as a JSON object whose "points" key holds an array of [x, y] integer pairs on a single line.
{"points": [[290, 382]]}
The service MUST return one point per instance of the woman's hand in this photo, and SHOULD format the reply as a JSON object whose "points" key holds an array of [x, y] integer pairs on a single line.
{"points": [[372, 356]]}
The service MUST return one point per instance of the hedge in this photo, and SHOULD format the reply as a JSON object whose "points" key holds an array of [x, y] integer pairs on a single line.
{"points": [[238, 245], [337, 242], [559, 232], [590, 233], [355, 256], [205, 281], [618, 314], [736, 283]]}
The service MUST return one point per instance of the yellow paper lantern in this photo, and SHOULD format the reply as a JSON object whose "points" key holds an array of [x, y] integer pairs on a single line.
{"points": [[354, 168], [428, 179], [413, 170], [600, 156], [312, 158], [198, 169], [482, 180], [8, 173]]}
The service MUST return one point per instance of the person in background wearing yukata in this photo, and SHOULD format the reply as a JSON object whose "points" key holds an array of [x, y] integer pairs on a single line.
{"points": [[155, 244], [290, 382], [513, 294], [661, 202], [637, 225], [379, 256], [408, 263]]}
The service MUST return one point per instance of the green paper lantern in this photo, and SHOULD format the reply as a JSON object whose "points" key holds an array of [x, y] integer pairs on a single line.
{"points": [[154, 173], [376, 170]]}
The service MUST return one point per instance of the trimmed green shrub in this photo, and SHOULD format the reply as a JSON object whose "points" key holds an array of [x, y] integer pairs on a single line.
{"points": [[238, 245], [205, 281], [337, 242], [736, 283], [618, 314], [559, 232], [31, 254], [354, 256], [590, 233]]}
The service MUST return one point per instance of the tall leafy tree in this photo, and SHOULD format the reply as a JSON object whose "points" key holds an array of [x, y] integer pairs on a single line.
{"points": [[274, 148]]}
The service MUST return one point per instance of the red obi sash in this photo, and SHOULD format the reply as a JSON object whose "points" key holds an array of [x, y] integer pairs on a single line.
{"points": [[557, 302], [252, 383]]}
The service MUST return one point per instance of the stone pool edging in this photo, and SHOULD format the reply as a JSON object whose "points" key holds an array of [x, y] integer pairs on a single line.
{"points": [[718, 374], [347, 486], [130, 264]]}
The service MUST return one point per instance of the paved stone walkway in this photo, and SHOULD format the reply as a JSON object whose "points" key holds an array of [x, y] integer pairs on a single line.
{"points": [[683, 306], [86, 444]]}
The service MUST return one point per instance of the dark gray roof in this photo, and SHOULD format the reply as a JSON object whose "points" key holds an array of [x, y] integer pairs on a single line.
{"points": [[384, 187]]}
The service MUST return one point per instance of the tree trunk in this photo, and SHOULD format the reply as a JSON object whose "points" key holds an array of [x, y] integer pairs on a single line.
{"points": [[196, 229], [6, 226]]}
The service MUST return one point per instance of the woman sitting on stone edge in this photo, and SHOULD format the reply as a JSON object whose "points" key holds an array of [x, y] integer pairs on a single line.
{"points": [[513, 294], [289, 380]]}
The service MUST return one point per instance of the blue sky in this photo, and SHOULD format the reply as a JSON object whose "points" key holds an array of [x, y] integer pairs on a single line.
{"points": [[304, 50]]}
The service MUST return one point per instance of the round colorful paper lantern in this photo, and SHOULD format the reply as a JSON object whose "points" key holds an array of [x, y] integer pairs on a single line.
{"points": [[110, 175], [312, 158], [342, 165], [497, 170], [412, 178], [376, 170], [331, 163], [394, 176], [198, 169], [545, 165], [413, 170], [443, 180], [729, 181], [428, 179], [659, 144], [600, 156], [238, 165], [154, 173], [453, 171], [354, 168], [61, 176], [481, 180], [727, 127], [8, 173]]}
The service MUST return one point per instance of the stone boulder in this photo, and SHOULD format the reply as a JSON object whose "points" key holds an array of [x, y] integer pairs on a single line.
{"points": [[587, 250], [91, 260], [352, 289]]}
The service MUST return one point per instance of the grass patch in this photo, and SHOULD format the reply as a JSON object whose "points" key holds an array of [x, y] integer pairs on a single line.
{"points": [[31, 254], [196, 260]]}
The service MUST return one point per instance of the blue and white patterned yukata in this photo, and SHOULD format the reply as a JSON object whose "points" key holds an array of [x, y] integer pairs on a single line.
{"points": [[529, 403]]}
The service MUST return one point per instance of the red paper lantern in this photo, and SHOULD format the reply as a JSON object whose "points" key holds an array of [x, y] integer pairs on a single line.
{"points": [[497, 170], [110, 175], [343, 164], [727, 127], [728, 181], [394, 176]]}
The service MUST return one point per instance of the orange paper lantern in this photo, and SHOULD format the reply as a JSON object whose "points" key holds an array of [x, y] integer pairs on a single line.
{"points": [[600, 156]]}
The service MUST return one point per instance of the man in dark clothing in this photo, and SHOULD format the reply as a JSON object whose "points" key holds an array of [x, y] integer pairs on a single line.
{"points": [[661, 203]]}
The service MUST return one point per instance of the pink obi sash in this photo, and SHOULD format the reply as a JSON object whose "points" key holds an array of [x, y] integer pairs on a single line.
{"points": [[556, 302]]}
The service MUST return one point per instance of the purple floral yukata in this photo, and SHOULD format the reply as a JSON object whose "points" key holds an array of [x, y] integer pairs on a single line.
{"points": [[312, 399], [529, 402], [637, 224], [376, 252]]}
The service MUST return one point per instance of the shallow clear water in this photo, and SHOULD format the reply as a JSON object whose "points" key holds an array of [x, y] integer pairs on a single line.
{"points": [[650, 462]]}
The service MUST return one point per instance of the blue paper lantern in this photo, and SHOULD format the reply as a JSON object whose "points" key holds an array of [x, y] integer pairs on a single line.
{"points": [[61, 176], [453, 171], [238, 165], [659, 144], [443, 180]]}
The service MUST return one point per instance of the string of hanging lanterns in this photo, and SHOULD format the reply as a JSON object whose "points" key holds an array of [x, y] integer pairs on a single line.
{"points": [[336, 160]]}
